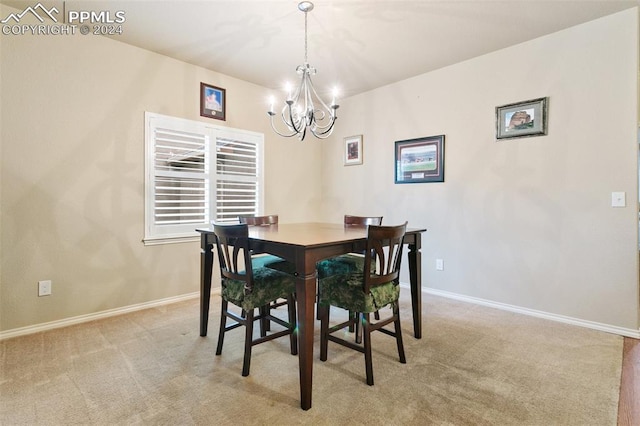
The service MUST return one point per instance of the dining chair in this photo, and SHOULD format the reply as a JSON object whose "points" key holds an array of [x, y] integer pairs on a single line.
{"points": [[350, 261], [268, 220], [347, 262], [250, 288], [268, 260], [367, 290]]}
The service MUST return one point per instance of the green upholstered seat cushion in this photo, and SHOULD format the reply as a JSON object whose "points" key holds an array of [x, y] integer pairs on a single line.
{"points": [[345, 291], [336, 265], [262, 260], [281, 265], [344, 264], [268, 285]]}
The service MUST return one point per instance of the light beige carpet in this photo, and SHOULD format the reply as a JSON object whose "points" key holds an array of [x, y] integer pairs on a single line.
{"points": [[474, 366]]}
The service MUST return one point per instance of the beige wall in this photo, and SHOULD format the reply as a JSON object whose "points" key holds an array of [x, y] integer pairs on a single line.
{"points": [[528, 222], [72, 173]]}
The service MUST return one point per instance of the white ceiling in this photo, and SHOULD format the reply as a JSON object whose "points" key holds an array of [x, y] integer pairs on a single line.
{"points": [[355, 45]]}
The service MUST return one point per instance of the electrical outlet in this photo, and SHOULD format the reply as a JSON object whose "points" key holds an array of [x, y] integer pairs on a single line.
{"points": [[44, 288], [439, 265]]}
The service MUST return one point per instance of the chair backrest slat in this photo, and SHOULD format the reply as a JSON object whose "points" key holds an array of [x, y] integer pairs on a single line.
{"points": [[384, 249], [259, 220], [362, 220], [232, 244]]}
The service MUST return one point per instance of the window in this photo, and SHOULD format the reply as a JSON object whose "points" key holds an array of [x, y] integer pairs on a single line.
{"points": [[197, 173]]}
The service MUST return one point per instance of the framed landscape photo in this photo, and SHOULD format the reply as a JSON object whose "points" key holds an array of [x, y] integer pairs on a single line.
{"points": [[522, 119], [213, 102], [420, 160], [353, 150]]}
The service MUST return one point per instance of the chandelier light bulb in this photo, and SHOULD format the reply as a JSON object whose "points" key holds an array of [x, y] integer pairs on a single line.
{"points": [[288, 90]]}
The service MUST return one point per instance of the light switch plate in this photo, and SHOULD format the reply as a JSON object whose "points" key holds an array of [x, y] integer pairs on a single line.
{"points": [[618, 199]]}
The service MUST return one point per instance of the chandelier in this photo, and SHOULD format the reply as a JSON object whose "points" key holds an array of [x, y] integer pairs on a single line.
{"points": [[304, 110]]}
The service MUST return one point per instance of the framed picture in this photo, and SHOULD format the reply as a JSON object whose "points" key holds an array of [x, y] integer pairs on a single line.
{"points": [[213, 102], [420, 160], [522, 119], [353, 150]]}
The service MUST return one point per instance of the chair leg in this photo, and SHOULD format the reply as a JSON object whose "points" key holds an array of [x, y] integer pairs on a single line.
{"points": [[396, 313], [264, 321], [358, 326], [366, 329], [223, 325], [267, 323], [248, 343], [291, 306], [323, 312]]}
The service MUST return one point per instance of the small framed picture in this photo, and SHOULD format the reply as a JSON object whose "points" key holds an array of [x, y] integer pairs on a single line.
{"points": [[213, 102], [353, 150], [420, 160], [522, 119]]}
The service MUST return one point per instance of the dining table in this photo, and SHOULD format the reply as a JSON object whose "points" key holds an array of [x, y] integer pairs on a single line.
{"points": [[304, 245]]}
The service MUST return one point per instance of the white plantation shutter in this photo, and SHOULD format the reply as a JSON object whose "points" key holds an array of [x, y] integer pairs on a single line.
{"points": [[237, 174], [184, 191], [181, 178]]}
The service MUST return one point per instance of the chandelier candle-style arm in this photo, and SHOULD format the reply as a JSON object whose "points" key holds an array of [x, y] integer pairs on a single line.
{"points": [[305, 110]]}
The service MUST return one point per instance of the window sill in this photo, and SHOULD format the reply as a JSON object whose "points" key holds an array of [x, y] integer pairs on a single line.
{"points": [[154, 241]]}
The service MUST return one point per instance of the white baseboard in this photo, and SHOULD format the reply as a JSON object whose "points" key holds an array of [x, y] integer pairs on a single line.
{"points": [[97, 315], [627, 332]]}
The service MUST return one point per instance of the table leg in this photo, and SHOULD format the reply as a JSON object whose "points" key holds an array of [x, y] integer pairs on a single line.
{"points": [[305, 295], [415, 277], [206, 265]]}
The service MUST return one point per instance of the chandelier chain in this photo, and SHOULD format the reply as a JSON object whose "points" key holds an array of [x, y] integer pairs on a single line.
{"points": [[306, 61]]}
